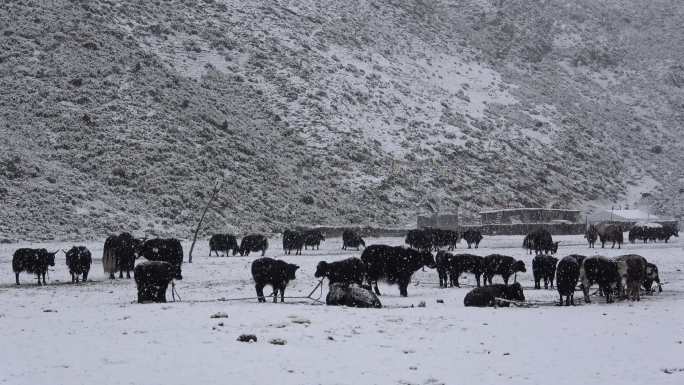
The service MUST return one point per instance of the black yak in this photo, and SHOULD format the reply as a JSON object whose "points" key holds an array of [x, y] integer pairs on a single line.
{"points": [[591, 235], [600, 270], [540, 241], [253, 242], [78, 259], [152, 278], [472, 237], [567, 275], [223, 243], [273, 272], [505, 266], [119, 253], [313, 238], [544, 267], [632, 269], [167, 250], [351, 239], [650, 277], [608, 232], [346, 271], [293, 240], [32, 261], [394, 263], [444, 265], [419, 239]]}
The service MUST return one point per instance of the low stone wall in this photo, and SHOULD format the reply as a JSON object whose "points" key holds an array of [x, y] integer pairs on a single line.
{"points": [[364, 231], [526, 228]]}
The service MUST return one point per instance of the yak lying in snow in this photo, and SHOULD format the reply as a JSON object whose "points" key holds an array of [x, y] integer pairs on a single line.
{"points": [[487, 296], [352, 296]]}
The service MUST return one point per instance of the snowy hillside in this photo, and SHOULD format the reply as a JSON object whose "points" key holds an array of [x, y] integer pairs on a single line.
{"points": [[121, 115]]}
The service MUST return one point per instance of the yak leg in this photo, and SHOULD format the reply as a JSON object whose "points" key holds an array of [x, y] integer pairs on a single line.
{"points": [[375, 287], [505, 279], [282, 294], [260, 292], [17, 277], [403, 287], [44, 279], [477, 278], [161, 294]]}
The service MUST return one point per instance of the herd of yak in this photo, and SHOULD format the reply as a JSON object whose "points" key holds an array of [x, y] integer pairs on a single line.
{"points": [[354, 281]]}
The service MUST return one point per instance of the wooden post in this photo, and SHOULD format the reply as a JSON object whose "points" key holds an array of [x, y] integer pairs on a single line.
{"points": [[199, 224]]}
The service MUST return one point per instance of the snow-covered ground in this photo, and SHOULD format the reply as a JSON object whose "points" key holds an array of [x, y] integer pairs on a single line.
{"points": [[94, 333]]}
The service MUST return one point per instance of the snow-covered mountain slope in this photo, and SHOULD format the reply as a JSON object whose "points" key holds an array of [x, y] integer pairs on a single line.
{"points": [[121, 115]]}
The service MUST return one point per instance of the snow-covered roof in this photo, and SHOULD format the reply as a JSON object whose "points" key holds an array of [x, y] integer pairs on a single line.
{"points": [[634, 214], [526, 209]]}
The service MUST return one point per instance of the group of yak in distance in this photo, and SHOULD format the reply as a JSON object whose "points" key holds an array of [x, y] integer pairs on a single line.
{"points": [[354, 281]]}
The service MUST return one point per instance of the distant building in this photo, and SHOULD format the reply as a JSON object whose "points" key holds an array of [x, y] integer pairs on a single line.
{"points": [[439, 221], [529, 215], [629, 215]]}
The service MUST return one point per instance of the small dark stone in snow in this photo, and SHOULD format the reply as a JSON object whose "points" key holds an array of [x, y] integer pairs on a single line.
{"points": [[440, 301], [413, 368], [421, 304], [277, 341], [507, 354], [220, 324], [247, 338], [219, 315], [484, 323], [604, 313], [49, 311], [332, 339]]}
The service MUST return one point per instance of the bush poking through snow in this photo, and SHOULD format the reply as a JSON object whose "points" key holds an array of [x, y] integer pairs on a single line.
{"points": [[247, 338]]}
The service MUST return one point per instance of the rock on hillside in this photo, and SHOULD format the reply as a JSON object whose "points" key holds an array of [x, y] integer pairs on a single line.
{"points": [[121, 115]]}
